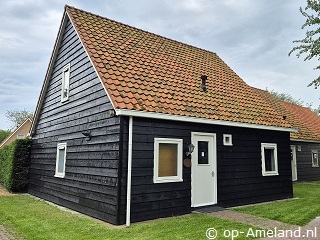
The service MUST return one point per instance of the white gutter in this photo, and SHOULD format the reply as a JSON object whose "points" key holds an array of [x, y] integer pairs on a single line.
{"points": [[171, 117], [129, 172]]}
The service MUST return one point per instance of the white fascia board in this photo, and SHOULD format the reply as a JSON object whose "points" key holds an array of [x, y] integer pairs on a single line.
{"points": [[170, 117], [51, 64], [304, 140], [49, 71], [91, 62]]}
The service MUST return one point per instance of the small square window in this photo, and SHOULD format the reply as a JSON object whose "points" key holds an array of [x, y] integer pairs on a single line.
{"points": [[227, 139], [315, 162], [269, 159], [61, 160], [65, 83], [20, 136], [299, 148], [167, 160]]}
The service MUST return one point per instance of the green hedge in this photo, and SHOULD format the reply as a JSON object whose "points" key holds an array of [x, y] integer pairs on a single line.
{"points": [[14, 165]]}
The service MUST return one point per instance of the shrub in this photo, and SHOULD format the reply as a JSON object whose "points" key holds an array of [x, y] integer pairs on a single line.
{"points": [[14, 165]]}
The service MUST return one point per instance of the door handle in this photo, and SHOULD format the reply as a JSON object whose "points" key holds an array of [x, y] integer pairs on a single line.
{"points": [[212, 173]]}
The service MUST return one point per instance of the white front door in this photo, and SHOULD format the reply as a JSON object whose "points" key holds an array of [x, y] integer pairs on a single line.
{"points": [[203, 169], [294, 163]]}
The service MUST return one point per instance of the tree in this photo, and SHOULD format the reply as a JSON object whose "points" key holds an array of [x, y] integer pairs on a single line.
{"points": [[310, 45], [4, 134], [286, 98], [16, 117]]}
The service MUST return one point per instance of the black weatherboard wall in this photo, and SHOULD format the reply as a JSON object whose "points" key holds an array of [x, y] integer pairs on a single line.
{"points": [[91, 181], [240, 179], [304, 161]]}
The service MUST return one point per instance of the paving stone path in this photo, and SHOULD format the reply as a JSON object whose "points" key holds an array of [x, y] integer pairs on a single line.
{"points": [[5, 234], [293, 232]]}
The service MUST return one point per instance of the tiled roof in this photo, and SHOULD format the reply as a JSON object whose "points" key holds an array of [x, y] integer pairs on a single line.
{"points": [[310, 119], [301, 118], [149, 73]]}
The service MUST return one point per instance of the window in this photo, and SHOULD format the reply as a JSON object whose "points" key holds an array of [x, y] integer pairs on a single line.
{"points": [[315, 162], [167, 160], [61, 160], [20, 136], [227, 139], [65, 83], [299, 148], [269, 159]]}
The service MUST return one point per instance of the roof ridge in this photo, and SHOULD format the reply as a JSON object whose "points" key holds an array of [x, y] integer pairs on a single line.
{"points": [[296, 105], [139, 29]]}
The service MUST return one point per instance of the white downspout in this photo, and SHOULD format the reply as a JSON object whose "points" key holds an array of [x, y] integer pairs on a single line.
{"points": [[129, 172]]}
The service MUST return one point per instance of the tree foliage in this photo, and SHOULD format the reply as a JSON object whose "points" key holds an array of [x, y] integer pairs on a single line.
{"points": [[310, 45], [4, 134], [16, 117]]}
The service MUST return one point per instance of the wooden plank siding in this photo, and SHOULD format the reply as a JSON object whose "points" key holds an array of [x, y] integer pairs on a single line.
{"points": [[305, 170], [91, 181], [240, 179]]}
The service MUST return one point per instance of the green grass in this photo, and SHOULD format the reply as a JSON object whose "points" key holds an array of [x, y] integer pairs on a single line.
{"points": [[34, 219], [300, 211]]}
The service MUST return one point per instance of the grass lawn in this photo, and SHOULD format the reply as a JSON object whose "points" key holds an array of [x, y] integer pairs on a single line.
{"points": [[300, 211], [35, 219]]}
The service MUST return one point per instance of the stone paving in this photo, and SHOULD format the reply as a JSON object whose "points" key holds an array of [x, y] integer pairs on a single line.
{"points": [[292, 232], [5, 234]]}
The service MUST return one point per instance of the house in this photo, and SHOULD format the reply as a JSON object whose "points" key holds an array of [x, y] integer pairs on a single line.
{"points": [[22, 131], [132, 126], [305, 144]]}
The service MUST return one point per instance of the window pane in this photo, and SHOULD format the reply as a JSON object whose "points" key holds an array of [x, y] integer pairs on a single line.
{"points": [[315, 159], [269, 159], [61, 160], [168, 159], [203, 152]]}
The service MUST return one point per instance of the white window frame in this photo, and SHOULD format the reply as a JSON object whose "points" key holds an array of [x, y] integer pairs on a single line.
{"points": [[20, 136], [59, 147], [65, 82], [275, 151], [225, 142], [312, 152], [178, 178]]}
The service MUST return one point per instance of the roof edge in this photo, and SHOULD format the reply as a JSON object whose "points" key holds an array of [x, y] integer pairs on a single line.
{"points": [[162, 116], [304, 140], [49, 71], [90, 58]]}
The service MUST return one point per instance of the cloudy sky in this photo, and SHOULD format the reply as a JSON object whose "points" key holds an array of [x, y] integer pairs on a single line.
{"points": [[252, 36]]}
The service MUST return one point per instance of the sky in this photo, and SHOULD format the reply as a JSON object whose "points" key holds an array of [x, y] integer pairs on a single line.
{"points": [[253, 37]]}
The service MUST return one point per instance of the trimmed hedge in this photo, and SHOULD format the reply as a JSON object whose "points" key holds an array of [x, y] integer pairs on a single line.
{"points": [[14, 165]]}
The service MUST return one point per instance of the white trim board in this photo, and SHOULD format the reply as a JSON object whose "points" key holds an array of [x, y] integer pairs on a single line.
{"points": [[302, 140], [170, 117]]}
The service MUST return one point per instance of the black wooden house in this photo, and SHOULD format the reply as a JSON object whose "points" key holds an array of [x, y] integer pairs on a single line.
{"points": [[305, 143], [132, 126]]}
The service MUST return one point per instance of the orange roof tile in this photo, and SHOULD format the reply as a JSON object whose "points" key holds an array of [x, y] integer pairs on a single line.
{"points": [[301, 118], [161, 75]]}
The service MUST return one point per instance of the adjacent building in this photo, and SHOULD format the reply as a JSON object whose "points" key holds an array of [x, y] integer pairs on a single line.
{"points": [[22, 131]]}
